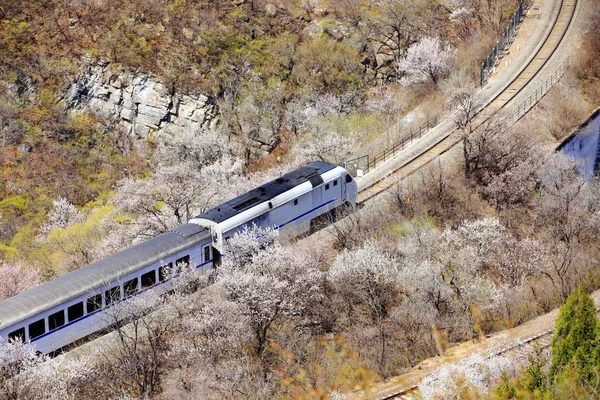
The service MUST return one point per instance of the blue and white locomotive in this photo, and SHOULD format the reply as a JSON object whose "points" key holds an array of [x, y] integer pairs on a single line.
{"points": [[60, 312]]}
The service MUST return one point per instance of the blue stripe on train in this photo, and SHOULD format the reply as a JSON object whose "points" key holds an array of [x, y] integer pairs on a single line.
{"points": [[106, 308], [165, 281], [306, 213]]}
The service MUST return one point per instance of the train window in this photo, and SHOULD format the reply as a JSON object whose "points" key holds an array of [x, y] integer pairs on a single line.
{"points": [[164, 272], [94, 303], [56, 320], [206, 253], [181, 264], [327, 186], [348, 179], [112, 295], [183, 261], [19, 335], [295, 202], [148, 279], [75, 311], [38, 328], [335, 183], [130, 287]]}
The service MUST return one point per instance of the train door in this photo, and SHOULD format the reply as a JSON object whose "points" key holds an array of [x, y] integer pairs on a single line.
{"points": [[206, 254], [316, 197]]}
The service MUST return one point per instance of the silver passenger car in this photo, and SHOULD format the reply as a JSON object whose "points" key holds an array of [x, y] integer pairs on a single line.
{"points": [[66, 309]]}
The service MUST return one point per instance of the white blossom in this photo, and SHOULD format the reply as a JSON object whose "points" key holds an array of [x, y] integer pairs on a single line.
{"points": [[17, 278], [486, 234], [26, 374], [175, 193], [461, 13], [479, 371], [274, 281], [328, 146], [425, 60], [443, 275], [365, 274], [200, 148], [62, 215]]}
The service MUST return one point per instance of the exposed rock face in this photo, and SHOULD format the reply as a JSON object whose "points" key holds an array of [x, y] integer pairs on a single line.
{"points": [[139, 102]]}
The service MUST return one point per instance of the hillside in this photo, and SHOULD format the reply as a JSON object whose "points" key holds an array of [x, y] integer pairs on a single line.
{"points": [[263, 65], [121, 120]]}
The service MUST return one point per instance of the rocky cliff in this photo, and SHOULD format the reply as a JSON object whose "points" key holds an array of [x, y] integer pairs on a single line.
{"points": [[139, 102]]}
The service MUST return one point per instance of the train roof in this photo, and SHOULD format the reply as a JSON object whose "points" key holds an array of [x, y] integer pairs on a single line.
{"points": [[311, 172], [99, 273]]}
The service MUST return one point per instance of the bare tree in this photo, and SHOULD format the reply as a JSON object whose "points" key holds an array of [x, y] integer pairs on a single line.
{"points": [[394, 29], [462, 17], [142, 326], [261, 111], [467, 106], [563, 212]]}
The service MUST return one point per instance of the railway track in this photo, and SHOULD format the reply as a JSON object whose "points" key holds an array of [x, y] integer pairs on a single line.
{"points": [[517, 85], [541, 340], [452, 138]]}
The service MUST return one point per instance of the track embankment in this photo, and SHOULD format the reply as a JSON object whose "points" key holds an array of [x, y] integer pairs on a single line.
{"points": [[446, 136]]}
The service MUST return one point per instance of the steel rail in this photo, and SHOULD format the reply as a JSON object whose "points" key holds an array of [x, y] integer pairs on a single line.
{"points": [[517, 85]]}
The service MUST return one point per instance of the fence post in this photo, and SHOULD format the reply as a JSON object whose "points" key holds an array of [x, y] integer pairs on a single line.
{"points": [[481, 76]]}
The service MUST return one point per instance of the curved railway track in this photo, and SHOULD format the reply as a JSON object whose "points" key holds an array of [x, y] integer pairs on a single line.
{"points": [[517, 85], [541, 340]]}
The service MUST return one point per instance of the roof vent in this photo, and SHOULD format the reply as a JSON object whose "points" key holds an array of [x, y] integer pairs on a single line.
{"points": [[188, 230]]}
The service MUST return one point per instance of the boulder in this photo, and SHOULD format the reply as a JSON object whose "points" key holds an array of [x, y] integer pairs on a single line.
{"points": [[314, 29], [187, 33], [270, 10]]}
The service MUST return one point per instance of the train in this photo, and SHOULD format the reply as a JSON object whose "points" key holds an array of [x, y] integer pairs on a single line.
{"points": [[65, 310]]}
